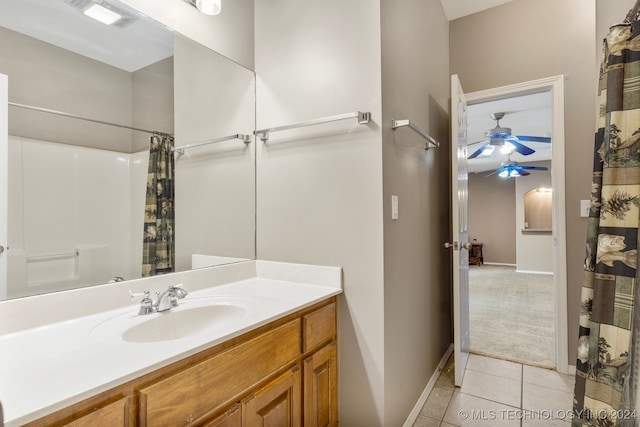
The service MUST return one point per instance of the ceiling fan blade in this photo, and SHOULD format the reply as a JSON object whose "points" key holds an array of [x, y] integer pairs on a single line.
{"points": [[533, 138], [478, 151], [535, 168], [522, 149], [477, 142], [523, 173]]}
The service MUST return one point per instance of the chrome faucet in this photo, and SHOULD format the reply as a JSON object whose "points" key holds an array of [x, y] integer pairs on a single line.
{"points": [[165, 301]]}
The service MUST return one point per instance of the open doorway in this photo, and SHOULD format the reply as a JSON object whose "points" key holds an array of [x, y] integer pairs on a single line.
{"points": [[516, 305]]}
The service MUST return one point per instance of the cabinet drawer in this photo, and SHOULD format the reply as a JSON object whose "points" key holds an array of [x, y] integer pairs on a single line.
{"points": [[201, 389], [318, 327]]}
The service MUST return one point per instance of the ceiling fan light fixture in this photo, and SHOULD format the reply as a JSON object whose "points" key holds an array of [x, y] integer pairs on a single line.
{"points": [[507, 148], [487, 151], [509, 173]]}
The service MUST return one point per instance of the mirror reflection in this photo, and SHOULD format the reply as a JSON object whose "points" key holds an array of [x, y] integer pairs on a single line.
{"points": [[78, 202]]}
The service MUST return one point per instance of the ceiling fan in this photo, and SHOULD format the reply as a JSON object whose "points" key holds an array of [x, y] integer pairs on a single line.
{"points": [[500, 136], [513, 169]]}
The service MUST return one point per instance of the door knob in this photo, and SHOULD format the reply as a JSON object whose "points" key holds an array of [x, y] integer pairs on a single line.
{"points": [[453, 245], [466, 245]]}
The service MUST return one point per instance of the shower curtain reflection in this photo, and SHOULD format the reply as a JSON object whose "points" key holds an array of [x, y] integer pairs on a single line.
{"points": [[158, 254]]}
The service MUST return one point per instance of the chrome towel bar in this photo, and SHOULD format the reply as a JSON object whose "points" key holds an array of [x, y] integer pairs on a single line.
{"points": [[363, 118], [431, 143], [244, 138]]}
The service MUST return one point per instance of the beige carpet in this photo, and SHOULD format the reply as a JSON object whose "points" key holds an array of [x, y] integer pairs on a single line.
{"points": [[512, 315]]}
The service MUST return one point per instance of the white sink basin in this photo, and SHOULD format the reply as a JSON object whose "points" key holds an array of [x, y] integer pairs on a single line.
{"points": [[191, 317], [172, 325]]}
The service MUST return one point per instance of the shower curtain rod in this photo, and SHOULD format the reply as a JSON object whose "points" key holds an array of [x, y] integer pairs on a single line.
{"points": [[73, 116]]}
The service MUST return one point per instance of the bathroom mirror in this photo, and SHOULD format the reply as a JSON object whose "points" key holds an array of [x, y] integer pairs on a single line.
{"points": [[76, 201]]}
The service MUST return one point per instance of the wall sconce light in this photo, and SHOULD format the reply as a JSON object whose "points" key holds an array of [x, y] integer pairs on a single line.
{"points": [[208, 7]]}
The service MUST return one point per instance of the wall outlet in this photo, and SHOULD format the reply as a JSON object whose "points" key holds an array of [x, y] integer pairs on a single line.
{"points": [[394, 207], [585, 206]]}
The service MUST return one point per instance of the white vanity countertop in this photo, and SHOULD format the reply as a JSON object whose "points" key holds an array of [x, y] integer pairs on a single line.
{"points": [[49, 367]]}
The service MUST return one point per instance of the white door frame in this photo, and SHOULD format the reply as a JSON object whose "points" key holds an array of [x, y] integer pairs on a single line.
{"points": [[4, 182], [556, 86]]}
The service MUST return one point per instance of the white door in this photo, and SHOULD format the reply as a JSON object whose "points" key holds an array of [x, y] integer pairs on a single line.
{"points": [[459, 228], [4, 181]]}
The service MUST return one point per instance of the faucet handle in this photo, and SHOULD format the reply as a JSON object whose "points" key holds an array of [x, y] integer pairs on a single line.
{"points": [[146, 305], [179, 291], [139, 295]]}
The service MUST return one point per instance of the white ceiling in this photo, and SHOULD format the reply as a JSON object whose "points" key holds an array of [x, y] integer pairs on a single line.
{"points": [[140, 43], [528, 115], [455, 9]]}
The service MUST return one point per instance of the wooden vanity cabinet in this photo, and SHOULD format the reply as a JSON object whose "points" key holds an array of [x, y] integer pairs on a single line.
{"points": [[281, 374]]}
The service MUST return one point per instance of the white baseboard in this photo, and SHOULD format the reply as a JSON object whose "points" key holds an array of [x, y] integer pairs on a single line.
{"points": [[499, 263], [535, 272], [413, 415]]}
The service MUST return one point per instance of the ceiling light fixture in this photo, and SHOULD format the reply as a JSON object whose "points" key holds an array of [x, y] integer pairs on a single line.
{"points": [[208, 7], [102, 14]]}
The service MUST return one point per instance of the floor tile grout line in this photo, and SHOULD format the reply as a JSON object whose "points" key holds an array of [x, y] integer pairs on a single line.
{"points": [[448, 405]]}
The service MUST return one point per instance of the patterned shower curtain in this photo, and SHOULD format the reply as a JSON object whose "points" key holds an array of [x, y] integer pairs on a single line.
{"points": [[608, 346], [158, 254]]}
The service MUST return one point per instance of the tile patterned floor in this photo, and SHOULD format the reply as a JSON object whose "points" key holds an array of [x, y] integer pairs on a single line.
{"points": [[499, 393]]}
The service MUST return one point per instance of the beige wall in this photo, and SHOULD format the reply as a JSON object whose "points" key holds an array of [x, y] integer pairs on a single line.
{"points": [[46, 76], [492, 219], [319, 189], [153, 105], [323, 192], [415, 86], [550, 38]]}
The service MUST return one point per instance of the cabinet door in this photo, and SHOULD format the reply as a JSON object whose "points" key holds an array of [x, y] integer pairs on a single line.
{"points": [[231, 418], [114, 414], [321, 388], [275, 405]]}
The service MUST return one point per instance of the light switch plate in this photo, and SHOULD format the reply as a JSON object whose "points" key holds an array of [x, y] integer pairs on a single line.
{"points": [[585, 205]]}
